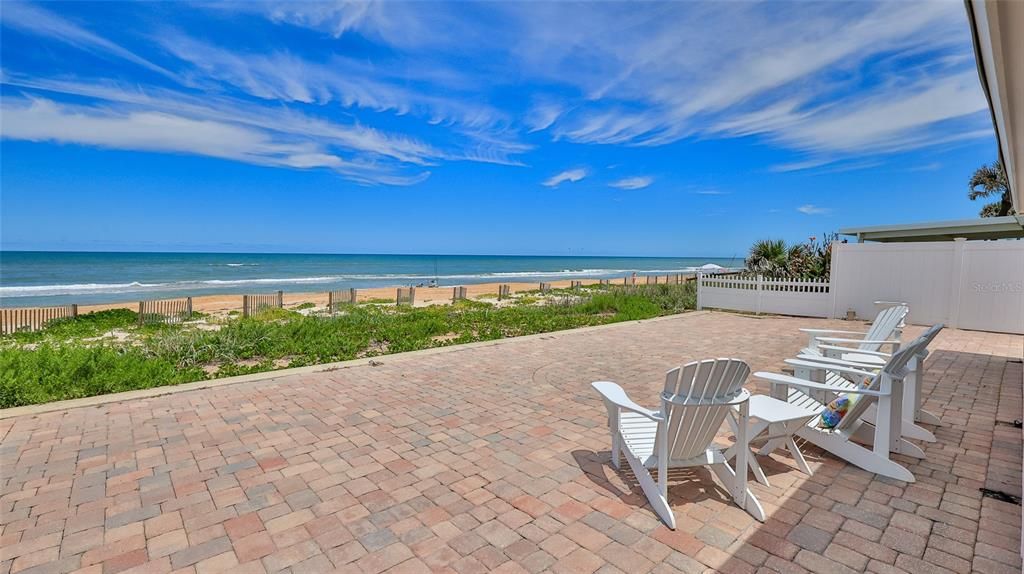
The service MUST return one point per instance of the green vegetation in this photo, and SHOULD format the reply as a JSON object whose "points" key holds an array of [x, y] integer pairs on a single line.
{"points": [[989, 180], [306, 305], [773, 258], [72, 359], [83, 326]]}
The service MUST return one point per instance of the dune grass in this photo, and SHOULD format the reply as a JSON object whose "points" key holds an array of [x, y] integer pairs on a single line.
{"points": [[64, 361]]}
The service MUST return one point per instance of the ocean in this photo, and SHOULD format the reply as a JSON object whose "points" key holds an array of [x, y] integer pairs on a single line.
{"points": [[34, 278]]}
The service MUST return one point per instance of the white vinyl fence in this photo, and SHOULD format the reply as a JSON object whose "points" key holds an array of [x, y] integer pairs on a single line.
{"points": [[757, 294], [964, 284]]}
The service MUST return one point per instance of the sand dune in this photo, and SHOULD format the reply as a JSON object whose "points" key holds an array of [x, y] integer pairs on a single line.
{"points": [[221, 304]]}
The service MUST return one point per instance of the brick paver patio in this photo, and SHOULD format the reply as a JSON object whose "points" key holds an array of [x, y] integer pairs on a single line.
{"points": [[496, 458]]}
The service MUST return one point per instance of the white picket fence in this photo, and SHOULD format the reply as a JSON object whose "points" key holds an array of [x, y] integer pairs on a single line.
{"points": [[758, 294]]}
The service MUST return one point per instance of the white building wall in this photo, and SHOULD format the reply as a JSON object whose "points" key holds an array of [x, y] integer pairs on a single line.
{"points": [[970, 285], [992, 287]]}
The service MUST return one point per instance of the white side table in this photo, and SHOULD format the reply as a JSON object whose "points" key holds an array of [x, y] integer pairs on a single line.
{"points": [[775, 422]]}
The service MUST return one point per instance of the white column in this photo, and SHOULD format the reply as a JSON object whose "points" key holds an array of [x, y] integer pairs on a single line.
{"points": [[700, 285], [833, 278], [760, 286]]}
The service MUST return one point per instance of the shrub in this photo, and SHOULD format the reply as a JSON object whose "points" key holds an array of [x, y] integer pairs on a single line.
{"points": [[85, 325], [54, 372], [175, 354]]}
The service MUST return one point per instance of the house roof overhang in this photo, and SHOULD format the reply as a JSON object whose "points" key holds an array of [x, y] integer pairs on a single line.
{"points": [[1007, 227], [999, 51]]}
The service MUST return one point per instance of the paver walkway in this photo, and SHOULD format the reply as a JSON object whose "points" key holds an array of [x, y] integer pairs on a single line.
{"points": [[497, 459]]}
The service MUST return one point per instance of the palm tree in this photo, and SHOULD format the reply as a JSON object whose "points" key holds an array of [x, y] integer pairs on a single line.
{"points": [[768, 257], [991, 180], [800, 260]]}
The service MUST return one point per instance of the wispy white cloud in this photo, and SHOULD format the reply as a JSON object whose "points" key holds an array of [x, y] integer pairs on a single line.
{"points": [[335, 18], [638, 182], [570, 175], [542, 114], [837, 83], [819, 78], [932, 166], [45, 120], [799, 165], [283, 76], [407, 90], [822, 165], [418, 25], [710, 191], [355, 137], [811, 209], [34, 19], [888, 119]]}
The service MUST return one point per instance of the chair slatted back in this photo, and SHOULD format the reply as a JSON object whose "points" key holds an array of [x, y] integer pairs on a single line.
{"points": [[886, 324], [710, 384], [895, 369]]}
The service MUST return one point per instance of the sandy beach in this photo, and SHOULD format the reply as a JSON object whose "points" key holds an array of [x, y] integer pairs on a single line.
{"points": [[222, 304]]}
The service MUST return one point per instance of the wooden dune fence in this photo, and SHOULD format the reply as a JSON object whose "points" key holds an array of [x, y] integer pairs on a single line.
{"points": [[504, 291], [405, 296], [575, 284], [545, 287], [338, 298], [458, 293], [252, 304], [166, 311], [14, 320]]}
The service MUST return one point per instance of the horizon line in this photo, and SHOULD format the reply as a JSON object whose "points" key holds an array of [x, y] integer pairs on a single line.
{"points": [[3, 251]]}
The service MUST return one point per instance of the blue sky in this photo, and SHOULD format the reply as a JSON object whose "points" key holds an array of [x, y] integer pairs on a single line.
{"points": [[681, 128]]}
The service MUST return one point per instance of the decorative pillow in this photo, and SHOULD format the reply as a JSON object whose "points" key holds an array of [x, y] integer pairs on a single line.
{"points": [[834, 412], [837, 409]]}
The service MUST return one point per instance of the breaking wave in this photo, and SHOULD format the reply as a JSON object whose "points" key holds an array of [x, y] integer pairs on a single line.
{"points": [[382, 279]]}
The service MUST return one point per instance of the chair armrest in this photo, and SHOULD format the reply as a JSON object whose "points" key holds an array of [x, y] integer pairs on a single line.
{"points": [[857, 351], [816, 331], [786, 380], [614, 394], [858, 341], [835, 361], [815, 364]]}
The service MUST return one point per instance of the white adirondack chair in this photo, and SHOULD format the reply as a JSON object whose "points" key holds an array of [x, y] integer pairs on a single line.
{"points": [[873, 361], [885, 393], [696, 399], [885, 330]]}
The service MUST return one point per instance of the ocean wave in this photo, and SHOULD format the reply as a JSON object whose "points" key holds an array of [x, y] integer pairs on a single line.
{"points": [[257, 281], [77, 288], [135, 286], [383, 279]]}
